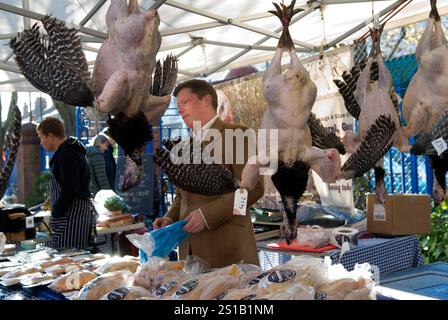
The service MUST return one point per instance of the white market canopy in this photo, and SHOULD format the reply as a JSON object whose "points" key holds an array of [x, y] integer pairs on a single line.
{"points": [[209, 36]]}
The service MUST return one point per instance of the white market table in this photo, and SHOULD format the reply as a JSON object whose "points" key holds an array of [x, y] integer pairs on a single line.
{"points": [[129, 227], [115, 230]]}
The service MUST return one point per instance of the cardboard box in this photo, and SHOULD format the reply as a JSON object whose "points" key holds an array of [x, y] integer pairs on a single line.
{"points": [[402, 214]]}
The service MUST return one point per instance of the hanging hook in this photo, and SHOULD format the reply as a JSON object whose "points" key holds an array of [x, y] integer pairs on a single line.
{"points": [[321, 51], [375, 18], [205, 57], [324, 40]]}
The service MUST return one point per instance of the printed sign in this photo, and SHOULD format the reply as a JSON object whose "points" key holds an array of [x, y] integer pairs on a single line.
{"points": [[379, 213], [330, 110]]}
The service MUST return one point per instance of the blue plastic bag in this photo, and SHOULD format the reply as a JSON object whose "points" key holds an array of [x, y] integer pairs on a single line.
{"points": [[166, 239]]}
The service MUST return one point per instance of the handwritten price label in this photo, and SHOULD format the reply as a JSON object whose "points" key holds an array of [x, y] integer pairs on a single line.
{"points": [[439, 145], [240, 202], [29, 222]]}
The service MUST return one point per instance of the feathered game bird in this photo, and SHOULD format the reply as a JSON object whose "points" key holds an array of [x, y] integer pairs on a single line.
{"points": [[290, 98], [122, 83], [194, 176], [10, 147], [322, 138], [216, 179], [374, 103], [423, 145]]}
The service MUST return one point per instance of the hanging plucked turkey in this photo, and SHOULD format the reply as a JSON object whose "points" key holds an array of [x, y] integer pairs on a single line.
{"points": [[122, 83], [426, 97], [290, 96]]}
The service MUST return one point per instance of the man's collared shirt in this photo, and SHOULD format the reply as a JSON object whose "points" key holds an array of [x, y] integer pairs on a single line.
{"points": [[201, 135], [204, 129]]}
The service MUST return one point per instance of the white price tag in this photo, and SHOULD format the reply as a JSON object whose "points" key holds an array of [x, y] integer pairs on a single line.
{"points": [[440, 145], [379, 213], [240, 202], [29, 222]]}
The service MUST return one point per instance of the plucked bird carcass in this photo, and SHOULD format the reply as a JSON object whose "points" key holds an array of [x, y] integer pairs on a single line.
{"points": [[122, 83], [374, 103], [290, 96], [426, 97], [424, 145]]}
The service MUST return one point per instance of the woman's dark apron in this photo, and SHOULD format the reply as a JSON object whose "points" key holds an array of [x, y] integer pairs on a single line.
{"points": [[73, 230]]}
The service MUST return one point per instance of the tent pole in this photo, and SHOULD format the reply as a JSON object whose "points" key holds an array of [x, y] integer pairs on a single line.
{"points": [[185, 51], [8, 57], [37, 16], [364, 23], [246, 46], [157, 4], [92, 12], [9, 67], [26, 21], [243, 52], [329, 2], [230, 21], [209, 25], [175, 46], [11, 81]]}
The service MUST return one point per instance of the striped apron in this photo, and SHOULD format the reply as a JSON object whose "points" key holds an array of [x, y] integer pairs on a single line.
{"points": [[73, 230]]}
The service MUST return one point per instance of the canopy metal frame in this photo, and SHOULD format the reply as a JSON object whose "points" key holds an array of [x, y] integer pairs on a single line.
{"points": [[95, 36]]}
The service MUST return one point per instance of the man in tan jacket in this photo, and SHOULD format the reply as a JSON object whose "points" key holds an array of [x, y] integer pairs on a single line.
{"points": [[218, 236]]}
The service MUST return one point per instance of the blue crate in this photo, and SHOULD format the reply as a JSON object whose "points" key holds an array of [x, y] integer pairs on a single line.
{"points": [[425, 282]]}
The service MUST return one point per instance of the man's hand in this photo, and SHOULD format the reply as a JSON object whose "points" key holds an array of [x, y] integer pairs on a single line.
{"points": [[195, 222], [161, 222]]}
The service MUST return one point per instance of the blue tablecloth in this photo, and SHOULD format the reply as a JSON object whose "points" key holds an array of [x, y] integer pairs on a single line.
{"points": [[388, 254]]}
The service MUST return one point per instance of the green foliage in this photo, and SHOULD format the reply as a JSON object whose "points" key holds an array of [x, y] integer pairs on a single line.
{"points": [[41, 190], [435, 245], [116, 203]]}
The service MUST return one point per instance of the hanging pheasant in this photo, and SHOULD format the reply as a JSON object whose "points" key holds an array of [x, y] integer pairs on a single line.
{"points": [[374, 103], [10, 147], [194, 176], [122, 83]]}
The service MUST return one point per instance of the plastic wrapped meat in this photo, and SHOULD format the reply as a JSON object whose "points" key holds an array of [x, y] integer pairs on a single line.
{"points": [[71, 281], [105, 283], [126, 293]]}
